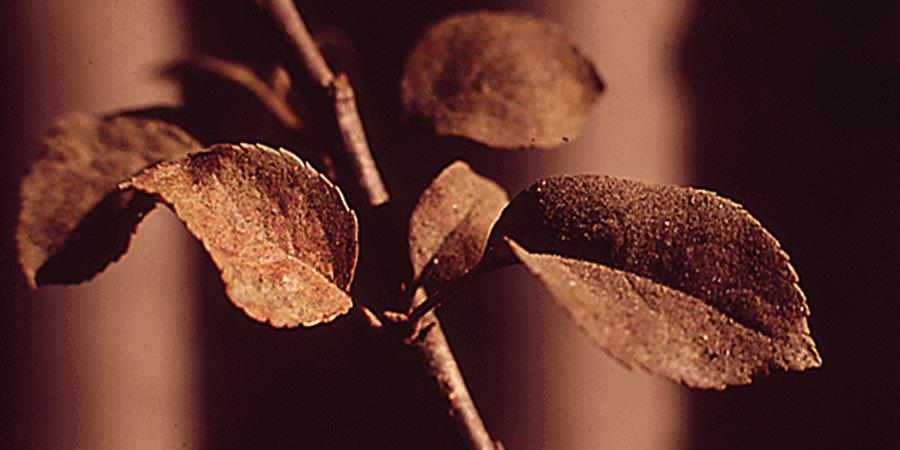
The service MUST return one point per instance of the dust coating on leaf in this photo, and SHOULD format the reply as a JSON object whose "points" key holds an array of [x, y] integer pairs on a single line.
{"points": [[681, 242], [664, 331], [281, 234], [505, 80], [73, 222], [687, 239], [449, 228]]}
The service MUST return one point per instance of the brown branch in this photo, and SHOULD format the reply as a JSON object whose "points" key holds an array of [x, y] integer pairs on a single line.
{"points": [[288, 19], [431, 343], [356, 146], [434, 351], [355, 143]]}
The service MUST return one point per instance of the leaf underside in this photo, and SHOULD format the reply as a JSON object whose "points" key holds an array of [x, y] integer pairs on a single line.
{"points": [[505, 80], [664, 331], [73, 221], [281, 234], [450, 226], [676, 280]]}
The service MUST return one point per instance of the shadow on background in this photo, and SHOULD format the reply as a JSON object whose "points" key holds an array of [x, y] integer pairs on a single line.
{"points": [[797, 116], [16, 413]]}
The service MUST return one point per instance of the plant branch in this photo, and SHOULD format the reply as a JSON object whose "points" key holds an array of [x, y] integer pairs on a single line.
{"points": [[288, 19], [431, 343], [355, 142], [434, 351], [353, 136]]}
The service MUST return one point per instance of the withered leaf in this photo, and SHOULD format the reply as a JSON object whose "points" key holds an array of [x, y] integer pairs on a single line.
{"points": [[665, 331], [273, 95], [73, 221], [449, 228], [505, 80], [668, 248], [281, 234]]}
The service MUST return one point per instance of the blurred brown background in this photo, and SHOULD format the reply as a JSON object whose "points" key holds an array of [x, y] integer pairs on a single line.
{"points": [[791, 109]]}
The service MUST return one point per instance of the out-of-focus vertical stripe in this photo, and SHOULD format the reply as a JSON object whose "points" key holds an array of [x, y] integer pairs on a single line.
{"points": [[114, 359], [637, 131]]}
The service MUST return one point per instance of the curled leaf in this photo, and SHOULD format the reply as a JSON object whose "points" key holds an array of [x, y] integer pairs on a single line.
{"points": [[281, 234], [505, 80], [449, 228], [73, 221], [673, 246]]}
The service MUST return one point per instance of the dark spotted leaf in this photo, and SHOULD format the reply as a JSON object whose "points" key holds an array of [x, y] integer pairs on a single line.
{"points": [[450, 225], [73, 221], [505, 80], [281, 234], [676, 280]]}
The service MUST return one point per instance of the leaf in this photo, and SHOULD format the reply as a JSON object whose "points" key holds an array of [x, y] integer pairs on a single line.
{"points": [[281, 234], [73, 221], [664, 331], [450, 225], [505, 80], [666, 266], [273, 95]]}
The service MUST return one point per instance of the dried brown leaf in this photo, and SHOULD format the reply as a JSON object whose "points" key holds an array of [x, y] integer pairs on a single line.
{"points": [[674, 245], [281, 234], [665, 331], [73, 222], [450, 225], [505, 80]]}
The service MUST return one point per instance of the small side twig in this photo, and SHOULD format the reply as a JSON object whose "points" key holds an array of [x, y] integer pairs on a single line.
{"points": [[370, 318], [435, 299], [355, 144], [419, 310]]}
